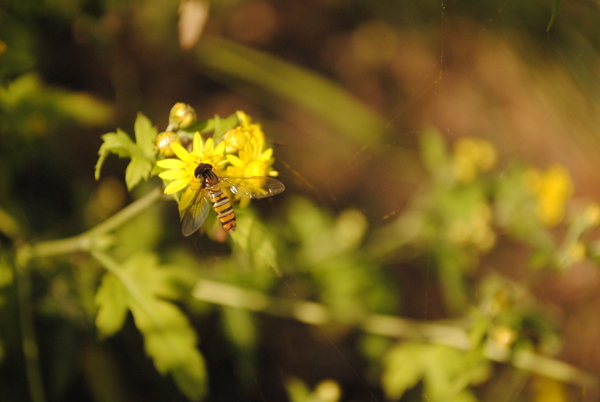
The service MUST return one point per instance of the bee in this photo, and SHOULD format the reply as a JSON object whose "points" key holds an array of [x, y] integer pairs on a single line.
{"points": [[210, 192]]}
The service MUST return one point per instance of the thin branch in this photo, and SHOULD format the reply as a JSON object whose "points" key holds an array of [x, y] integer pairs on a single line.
{"points": [[390, 326]]}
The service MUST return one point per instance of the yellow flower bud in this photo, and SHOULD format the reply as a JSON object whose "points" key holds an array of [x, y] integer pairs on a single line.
{"points": [[181, 116], [163, 142]]}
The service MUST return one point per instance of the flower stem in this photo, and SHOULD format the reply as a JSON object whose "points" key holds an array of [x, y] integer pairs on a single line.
{"points": [[93, 238]]}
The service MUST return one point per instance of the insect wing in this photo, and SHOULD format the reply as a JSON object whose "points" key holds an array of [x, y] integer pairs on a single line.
{"points": [[254, 187], [195, 214]]}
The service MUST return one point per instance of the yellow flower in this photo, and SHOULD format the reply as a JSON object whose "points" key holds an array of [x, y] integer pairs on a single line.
{"points": [[252, 161], [472, 155], [552, 189], [591, 214], [181, 170], [236, 138]]}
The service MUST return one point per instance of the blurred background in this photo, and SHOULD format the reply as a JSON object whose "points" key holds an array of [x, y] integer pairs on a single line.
{"points": [[440, 164]]}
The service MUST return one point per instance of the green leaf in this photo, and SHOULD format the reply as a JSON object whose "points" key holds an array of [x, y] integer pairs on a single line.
{"points": [[555, 7], [224, 125], [111, 299], [116, 143], [403, 368], [34, 108], [145, 135], [168, 336], [141, 152], [254, 240], [217, 125], [138, 169], [171, 343]]}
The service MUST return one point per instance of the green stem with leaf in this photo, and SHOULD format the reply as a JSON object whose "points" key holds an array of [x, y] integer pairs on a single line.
{"points": [[97, 238]]}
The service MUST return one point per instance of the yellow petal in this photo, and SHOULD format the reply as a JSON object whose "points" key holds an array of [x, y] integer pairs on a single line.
{"points": [[267, 154], [209, 145], [171, 164], [180, 151], [235, 161], [220, 149], [176, 185], [172, 174], [197, 144], [243, 118], [186, 198]]}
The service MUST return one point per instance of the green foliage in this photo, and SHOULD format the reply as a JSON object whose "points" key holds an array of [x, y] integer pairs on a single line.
{"points": [[217, 125], [138, 285], [30, 108], [326, 391], [141, 152], [226, 60], [445, 371], [254, 243], [334, 265], [329, 251]]}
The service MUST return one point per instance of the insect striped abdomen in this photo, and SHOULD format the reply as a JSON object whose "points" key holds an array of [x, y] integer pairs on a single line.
{"points": [[208, 188], [222, 207]]}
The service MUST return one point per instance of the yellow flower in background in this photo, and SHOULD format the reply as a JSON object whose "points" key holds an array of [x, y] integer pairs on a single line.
{"points": [[577, 252], [552, 189], [471, 156], [475, 229], [181, 170], [236, 138], [591, 214]]}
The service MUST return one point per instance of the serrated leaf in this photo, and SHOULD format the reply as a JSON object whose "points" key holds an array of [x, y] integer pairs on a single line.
{"points": [[116, 143], [138, 169], [141, 152], [171, 343], [112, 302], [145, 135], [168, 336]]}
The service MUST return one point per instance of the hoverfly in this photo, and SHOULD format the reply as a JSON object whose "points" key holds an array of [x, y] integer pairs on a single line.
{"points": [[210, 192]]}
